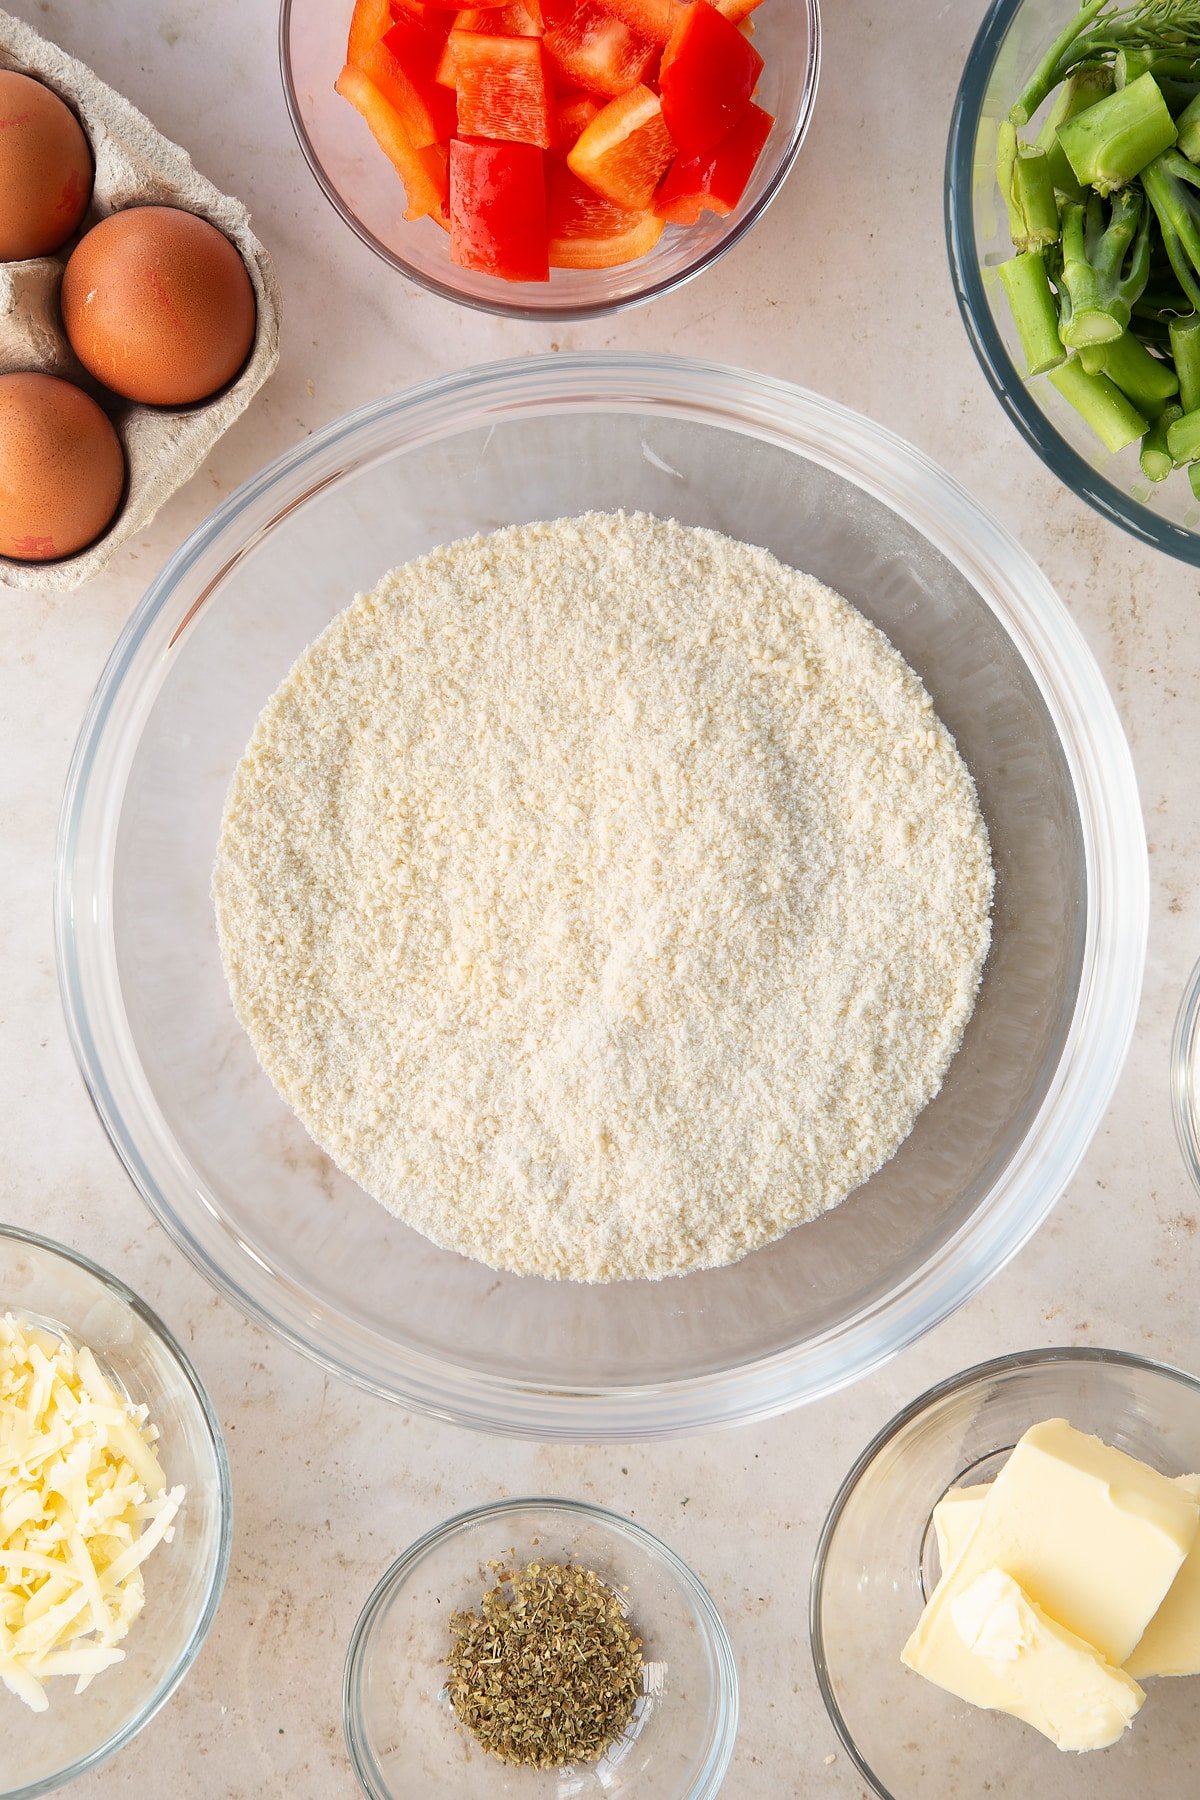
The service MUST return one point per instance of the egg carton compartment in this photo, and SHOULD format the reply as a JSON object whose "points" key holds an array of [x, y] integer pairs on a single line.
{"points": [[135, 165]]}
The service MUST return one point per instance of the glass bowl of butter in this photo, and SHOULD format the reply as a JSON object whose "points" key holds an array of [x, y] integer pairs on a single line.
{"points": [[1006, 1593]]}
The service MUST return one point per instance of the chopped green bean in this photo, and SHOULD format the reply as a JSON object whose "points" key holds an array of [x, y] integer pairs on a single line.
{"points": [[1101, 404]]}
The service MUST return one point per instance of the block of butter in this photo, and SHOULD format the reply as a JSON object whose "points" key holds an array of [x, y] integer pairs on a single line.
{"points": [[1170, 1644], [954, 1519], [1007, 1655], [1092, 1540]]}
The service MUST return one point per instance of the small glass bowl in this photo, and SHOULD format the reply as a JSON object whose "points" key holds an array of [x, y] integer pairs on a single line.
{"points": [[1185, 1075], [46, 1284], [359, 182], [877, 1562], [403, 1736], [1011, 40]]}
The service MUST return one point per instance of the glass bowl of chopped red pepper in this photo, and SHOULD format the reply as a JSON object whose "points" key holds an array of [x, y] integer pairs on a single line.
{"points": [[551, 158], [519, 1617]]}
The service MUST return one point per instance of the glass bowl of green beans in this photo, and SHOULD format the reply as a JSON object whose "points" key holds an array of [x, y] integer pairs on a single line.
{"points": [[1073, 225]]}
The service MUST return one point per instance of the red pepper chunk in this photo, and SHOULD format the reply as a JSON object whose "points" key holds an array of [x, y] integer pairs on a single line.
{"points": [[625, 151], [709, 72], [715, 181], [368, 22], [514, 20], [572, 113], [403, 67], [503, 91], [593, 50], [589, 232], [498, 210], [423, 171], [653, 20]]}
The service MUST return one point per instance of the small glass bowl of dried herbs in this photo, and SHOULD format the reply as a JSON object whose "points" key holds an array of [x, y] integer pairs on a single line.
{"points": [[540, 1648]]}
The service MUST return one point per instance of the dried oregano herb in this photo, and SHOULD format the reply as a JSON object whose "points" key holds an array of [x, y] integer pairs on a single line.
{"points": [[547, 1671]]}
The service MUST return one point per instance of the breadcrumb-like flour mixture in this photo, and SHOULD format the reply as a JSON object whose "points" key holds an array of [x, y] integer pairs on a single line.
{"points": [[604, 896]]}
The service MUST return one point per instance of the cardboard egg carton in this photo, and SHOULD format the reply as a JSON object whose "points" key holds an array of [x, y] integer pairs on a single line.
{"points": [[135, 165]]}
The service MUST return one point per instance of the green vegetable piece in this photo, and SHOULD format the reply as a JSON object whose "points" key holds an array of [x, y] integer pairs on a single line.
{"points": [[1187, 125], [1145, 379], [1028, 189], [1169, 29], [1113, 141], [1130, 63], [1183, 439], [1156, 460], [1169, 183], [1033, 309], [1055, 65], [1194, 478], [1101, 404], [1105, 267], [1185, 351], [1081, 89]]}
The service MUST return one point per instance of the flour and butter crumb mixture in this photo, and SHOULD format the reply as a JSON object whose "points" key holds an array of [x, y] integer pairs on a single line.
{"points": [[605, 897]]}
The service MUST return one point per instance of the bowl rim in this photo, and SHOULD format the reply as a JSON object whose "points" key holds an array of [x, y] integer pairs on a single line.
{"points": [[978, 1373], [1003, 376], [1059, 662], [83, 1765], [708, 1780], [555, 313], [1185, 1045]]}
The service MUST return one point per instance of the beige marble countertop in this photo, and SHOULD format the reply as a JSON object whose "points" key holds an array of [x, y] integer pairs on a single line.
{"points": [[830, 295]]}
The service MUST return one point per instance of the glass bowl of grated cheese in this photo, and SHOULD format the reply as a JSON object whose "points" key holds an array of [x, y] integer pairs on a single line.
{"points": [[159, 1559], [230, 1171]]}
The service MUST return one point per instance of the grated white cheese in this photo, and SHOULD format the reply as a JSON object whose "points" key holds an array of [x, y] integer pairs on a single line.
{"points": [[83, 1502], [605, 896]]}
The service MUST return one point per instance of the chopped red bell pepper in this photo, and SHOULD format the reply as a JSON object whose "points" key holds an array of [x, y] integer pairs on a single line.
{"points": [[593, 50], [491, 21], [423, 171], [503, 89], [368, 22], [498, 210], [403, 67], [626, 150], [715, 181], [737, 10], [588, 232], [709, 73], [653, 20], [572, 113], [424, 12], [499, 21]]}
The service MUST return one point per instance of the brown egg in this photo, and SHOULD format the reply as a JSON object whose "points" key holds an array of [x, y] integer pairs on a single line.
{"points": [[158, 306], [62, 470], [45, 169]]}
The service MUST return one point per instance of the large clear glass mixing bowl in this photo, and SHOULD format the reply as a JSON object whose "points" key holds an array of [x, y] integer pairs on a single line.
{"points": [[225, 1165]]}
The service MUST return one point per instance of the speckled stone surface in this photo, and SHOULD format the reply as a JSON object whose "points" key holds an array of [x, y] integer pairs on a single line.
{"points": [[844, 288]]}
